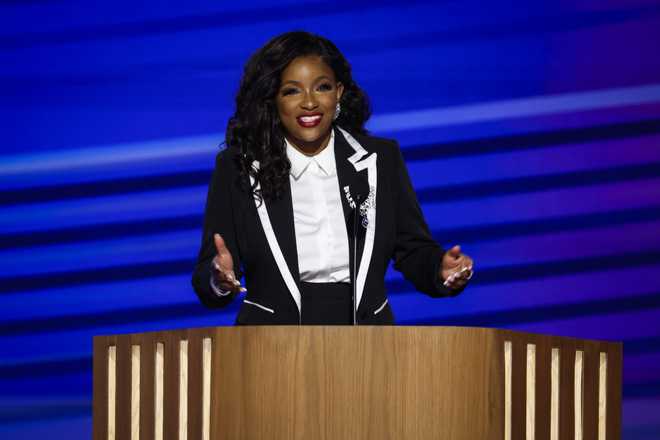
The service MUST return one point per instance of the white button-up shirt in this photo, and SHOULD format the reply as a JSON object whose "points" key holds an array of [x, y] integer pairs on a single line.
{"points": [[318, 216]]}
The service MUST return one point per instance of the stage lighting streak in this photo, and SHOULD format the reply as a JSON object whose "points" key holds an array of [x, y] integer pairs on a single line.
{"points": [[196, 152], [57, 302], [587, 157], [190, 201], [610, 284], [534, 131], [58, 259], [174, 289], [645, 308], [550, 225], [561, 246], [543, 204], [119, 208], [540, 183], [64, 342], [100, 254], [614, 326], [583, 320], [516, 108], [545, 270]]}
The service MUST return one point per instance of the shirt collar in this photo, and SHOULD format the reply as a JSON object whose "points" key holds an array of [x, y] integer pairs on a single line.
{"points": [[325, 159]]}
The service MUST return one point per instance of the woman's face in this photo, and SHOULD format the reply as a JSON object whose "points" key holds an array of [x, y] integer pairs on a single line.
{"points": [[306, 102]]}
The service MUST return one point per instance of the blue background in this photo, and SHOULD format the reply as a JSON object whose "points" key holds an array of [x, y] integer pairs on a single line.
{"points": [[531, 131]]}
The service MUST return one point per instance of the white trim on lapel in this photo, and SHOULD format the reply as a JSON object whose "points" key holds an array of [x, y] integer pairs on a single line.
{"points": [[275, 246], [372, 173]]}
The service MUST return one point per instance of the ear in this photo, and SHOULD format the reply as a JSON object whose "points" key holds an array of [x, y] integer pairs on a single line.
{"points": [[340, 90]]}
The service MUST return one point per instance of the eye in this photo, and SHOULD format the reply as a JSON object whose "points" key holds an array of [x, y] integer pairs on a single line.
{"points": [[288, 91], [325, 86]]}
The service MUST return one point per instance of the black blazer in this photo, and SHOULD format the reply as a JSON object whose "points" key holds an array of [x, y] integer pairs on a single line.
{"points": [[261, 237]]}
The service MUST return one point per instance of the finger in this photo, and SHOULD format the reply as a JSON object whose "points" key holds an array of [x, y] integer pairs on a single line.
{"points": [[458, 278], [455, 252], [219, 244], [228, 281]]}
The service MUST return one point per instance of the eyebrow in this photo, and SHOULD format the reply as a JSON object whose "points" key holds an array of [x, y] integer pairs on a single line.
{"points": [[298, 82]]}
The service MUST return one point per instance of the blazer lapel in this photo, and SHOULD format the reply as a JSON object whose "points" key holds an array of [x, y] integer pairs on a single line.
{"points": [[356, 172], [276, 217], [281, 215], [351, 182]]}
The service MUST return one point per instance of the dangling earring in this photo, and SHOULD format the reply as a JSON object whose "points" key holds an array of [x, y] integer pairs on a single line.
{"points": [[337, 111]]}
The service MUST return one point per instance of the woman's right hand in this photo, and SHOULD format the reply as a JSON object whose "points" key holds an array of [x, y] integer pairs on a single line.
{"points": [[222, 267]]}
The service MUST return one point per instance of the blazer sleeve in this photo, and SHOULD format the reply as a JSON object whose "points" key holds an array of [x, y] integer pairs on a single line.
{"points": [[416, 255], [218, 218]]}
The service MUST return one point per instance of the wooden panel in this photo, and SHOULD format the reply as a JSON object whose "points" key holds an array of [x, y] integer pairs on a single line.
{"points": [[591, 362], [519, 388], [566, 401], [366, 386], [147, 358], [123, 402], [343, 382], [543, 382], [171, 382], [100, 394], [195, 378]]}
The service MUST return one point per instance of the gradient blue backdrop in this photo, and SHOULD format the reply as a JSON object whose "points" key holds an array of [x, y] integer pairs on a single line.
{"points": [[531, 131]]}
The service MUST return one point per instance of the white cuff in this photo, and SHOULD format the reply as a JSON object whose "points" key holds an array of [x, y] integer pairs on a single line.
{"points": [[218, 291]]}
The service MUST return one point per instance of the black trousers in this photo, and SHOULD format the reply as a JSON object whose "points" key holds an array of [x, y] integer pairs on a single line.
{"points": [[326, 303]]}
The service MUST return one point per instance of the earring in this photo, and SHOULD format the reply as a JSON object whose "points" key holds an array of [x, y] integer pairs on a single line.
{"points": [[337, 111]]}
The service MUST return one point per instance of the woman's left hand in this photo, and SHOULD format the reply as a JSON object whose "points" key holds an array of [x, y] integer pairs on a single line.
{"points": [[456, 268]]}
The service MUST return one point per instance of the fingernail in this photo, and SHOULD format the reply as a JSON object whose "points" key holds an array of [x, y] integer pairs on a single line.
{"points": [[242, 289]]}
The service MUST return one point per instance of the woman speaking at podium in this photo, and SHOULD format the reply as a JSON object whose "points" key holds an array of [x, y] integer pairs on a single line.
{"points": [[309, 207]]}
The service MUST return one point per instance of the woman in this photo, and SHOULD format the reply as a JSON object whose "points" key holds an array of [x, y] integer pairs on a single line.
{"points": [[308, 206]]}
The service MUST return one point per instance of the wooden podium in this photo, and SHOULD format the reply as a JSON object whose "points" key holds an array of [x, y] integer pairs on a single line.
{"points": [[286, 382]]}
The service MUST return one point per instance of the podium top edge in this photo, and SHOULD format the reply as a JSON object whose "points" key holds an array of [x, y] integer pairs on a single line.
{"points": [[482, 331]]}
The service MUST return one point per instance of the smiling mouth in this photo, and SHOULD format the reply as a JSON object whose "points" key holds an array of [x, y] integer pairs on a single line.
{"points": [[309, 121]]}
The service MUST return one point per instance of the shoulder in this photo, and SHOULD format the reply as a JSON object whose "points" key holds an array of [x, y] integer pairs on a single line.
{"points": [[380, 145], [226, 160]]}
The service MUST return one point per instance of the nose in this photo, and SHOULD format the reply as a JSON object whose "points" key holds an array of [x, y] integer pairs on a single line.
{"points": [[309, 101]]}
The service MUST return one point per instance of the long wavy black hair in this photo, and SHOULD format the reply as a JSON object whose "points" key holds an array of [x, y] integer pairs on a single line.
{"points": [[255, 130]]}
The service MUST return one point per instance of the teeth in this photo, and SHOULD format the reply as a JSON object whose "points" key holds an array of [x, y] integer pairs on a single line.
{"points": [[310, 118]]}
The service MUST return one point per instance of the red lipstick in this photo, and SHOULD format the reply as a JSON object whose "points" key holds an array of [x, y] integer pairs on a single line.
{"points": [[310, 120]]}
